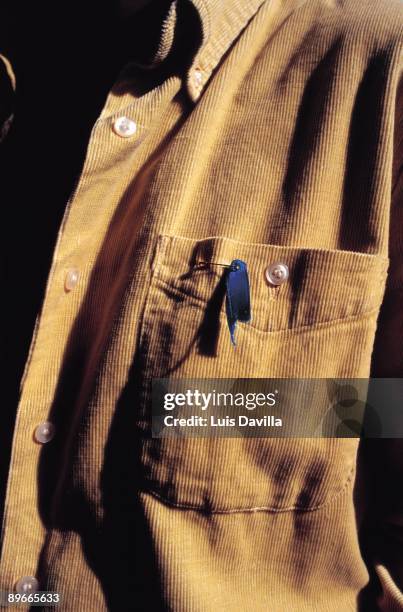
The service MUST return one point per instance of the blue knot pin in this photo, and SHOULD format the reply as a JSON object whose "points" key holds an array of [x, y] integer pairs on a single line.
{"points": [[237, 303]]}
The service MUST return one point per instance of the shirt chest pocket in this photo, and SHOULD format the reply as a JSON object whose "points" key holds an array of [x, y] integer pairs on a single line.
{"points": [[318, 321]]}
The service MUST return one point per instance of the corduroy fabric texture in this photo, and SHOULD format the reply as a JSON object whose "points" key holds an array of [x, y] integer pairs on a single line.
{"points": [[281, 142]]}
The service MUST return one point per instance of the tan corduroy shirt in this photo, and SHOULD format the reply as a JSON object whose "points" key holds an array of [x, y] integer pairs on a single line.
{"points": [[279, 139]]}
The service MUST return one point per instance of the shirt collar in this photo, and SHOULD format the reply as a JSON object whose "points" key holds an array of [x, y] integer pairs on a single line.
{"points": [[215, 28], [221, 23]]}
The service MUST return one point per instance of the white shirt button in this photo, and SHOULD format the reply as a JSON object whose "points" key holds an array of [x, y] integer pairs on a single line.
{"points": [[44, 432], [27, 585], [197, 78], [277, 273], [71, 279], [124, 127]]}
